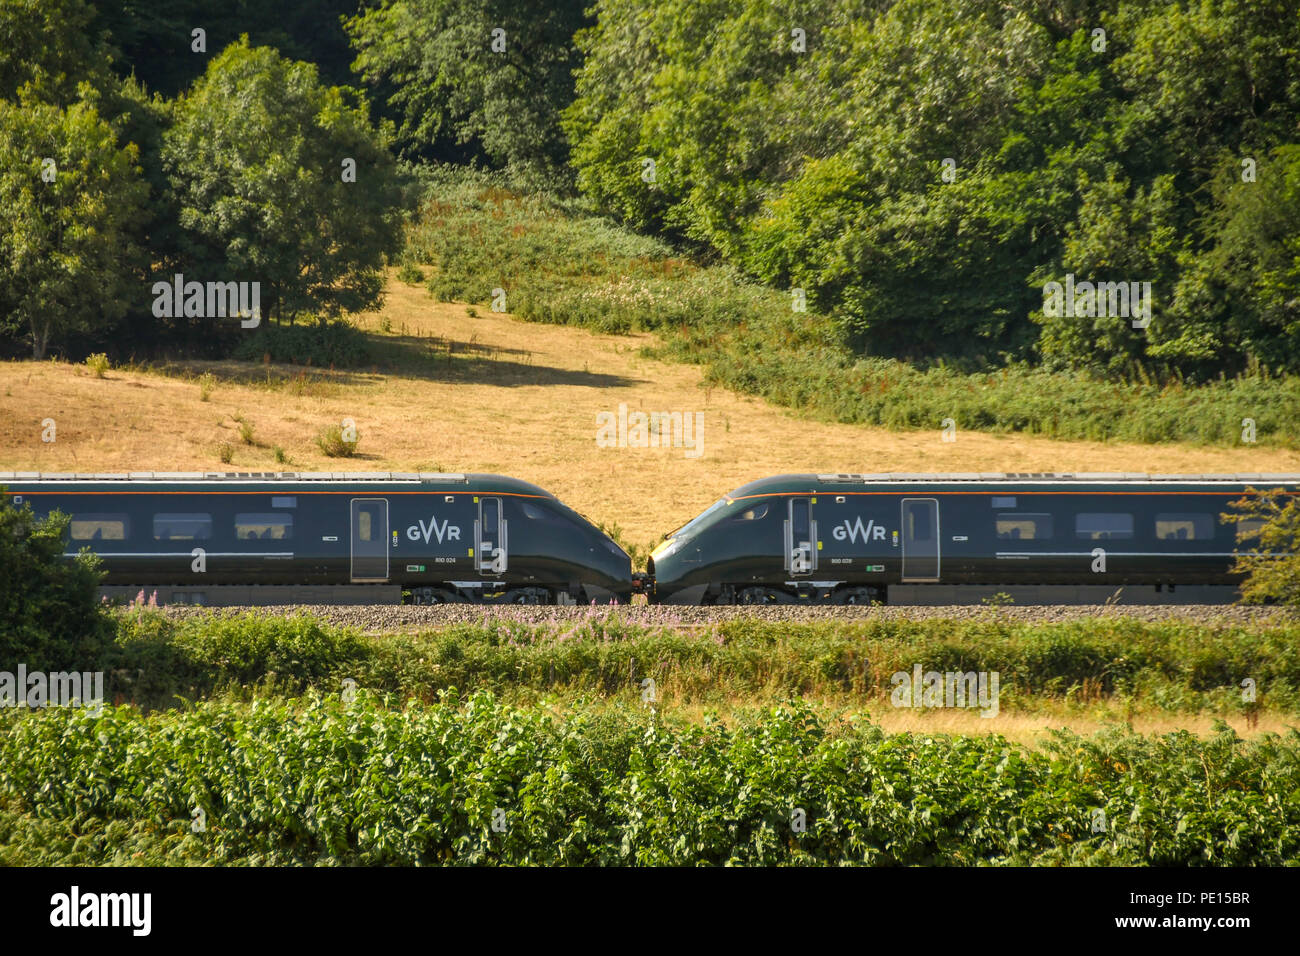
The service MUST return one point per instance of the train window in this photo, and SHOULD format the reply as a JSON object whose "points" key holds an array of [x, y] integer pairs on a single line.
{"points": [[256, 526], [700, 519], [99, 527], [536, 512], [917, 518], [364, 525], [1184, 527], [288, 501], [1102, 526], [1004, 502], [182, 527], [1249, 526], [1021, 527], [752, 514]]}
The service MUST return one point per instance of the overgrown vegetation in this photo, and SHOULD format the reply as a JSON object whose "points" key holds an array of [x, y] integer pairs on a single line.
{"points": [[1112, 667], [323, 344], [922, 170], [560, 265], [50, 615], [479, 782]]}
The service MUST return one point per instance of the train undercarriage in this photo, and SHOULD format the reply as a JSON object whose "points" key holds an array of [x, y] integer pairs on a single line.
{"points": [[832, 594], [272, 595]]}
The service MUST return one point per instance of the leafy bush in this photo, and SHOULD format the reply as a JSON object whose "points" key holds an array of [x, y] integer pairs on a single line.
{"points": [[410, 273], [50, 615], [97, 363], [328, 781], [327, 344], [331, 442]]}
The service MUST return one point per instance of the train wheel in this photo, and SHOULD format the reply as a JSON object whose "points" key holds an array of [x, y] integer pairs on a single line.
{"points": [[865, 596]]}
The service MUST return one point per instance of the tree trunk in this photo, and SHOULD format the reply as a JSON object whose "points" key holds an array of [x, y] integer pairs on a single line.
{"points": [[40, 338]]}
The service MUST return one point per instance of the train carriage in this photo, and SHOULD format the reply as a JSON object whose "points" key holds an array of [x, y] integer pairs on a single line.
{"points": [[262, 538], [939, 539]]}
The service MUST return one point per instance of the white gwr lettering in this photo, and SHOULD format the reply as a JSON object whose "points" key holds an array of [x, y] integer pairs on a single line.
{"points": [[445, 530], [851, 532]]}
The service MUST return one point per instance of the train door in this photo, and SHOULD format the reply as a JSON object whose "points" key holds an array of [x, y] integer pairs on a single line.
{"points": [[491, 546], [800, 538], [920, 539], [370, 539]]}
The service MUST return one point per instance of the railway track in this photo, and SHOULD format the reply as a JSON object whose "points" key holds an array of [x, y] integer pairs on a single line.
{"points": [[390, 617]]}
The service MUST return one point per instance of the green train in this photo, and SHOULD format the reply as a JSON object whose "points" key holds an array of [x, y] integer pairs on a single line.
{"points": [[265, 538], [951, 539]]}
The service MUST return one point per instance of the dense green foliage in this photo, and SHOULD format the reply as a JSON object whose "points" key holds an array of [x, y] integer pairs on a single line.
{"points": [[558, 264], [320, 781], [155, 40], [257, 157], [1121, 664], [923, 169], [323, 344], [50, 615], [920, 173], [246, 176], [492, 75], [71, 195], [1268, 555], [344, 776]]}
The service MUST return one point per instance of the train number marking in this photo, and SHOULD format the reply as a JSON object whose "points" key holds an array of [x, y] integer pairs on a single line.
{"points": [[446, 530], [851, 532]]}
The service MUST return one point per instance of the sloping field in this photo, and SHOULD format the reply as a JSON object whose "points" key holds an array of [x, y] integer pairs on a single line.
{"points": [[490, 393]]}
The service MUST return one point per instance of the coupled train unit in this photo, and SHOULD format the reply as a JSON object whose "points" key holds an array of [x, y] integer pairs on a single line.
{"points": [[954, 539], [261, 538]]}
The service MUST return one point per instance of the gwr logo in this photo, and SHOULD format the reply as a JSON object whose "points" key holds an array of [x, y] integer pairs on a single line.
{"points": [[851, 532], [445, 530]]}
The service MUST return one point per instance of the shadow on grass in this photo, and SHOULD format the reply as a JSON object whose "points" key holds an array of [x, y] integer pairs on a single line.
{"points": [[444, 359], [433, 359]]}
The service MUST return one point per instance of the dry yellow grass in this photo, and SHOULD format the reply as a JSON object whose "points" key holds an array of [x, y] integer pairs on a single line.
{"points": [[516, 398], [1027, 729]]}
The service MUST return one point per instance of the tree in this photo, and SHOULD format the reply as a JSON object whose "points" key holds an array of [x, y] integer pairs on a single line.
{"points": [[493, 73], [1269, 522], [1238, 301], [71, 196], [50, 47], [154, 39], [260, 158], [50, 615]]}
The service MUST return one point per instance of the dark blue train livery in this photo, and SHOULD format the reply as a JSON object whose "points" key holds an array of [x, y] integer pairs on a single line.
{"points": [[932, 539], [328, 537]]}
